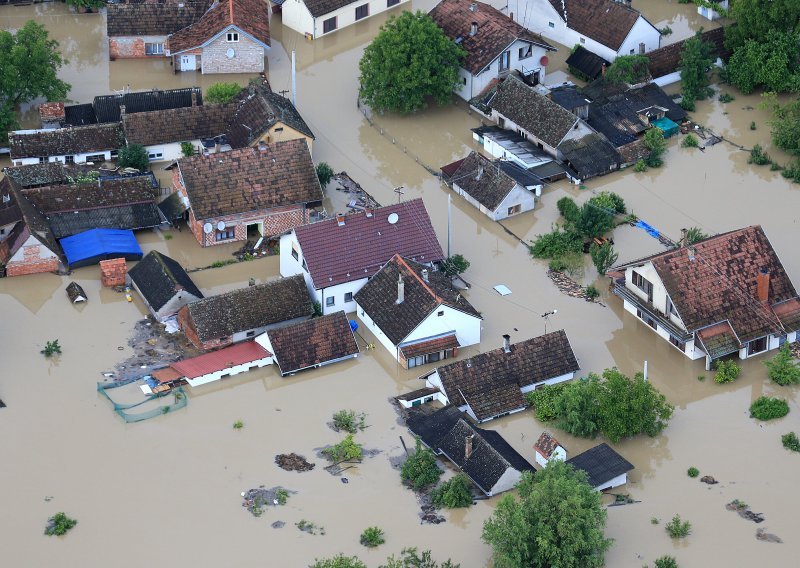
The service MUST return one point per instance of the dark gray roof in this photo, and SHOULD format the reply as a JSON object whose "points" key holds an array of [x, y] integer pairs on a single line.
{"points": [[590, 156], [588, 63], [130, 216], [519, 174], [65, 141], [33, 175], [485, 182], [321, 7], [601, 464], [107, 107], [257, 109], [79, 115], [250, 308], [534, 112], [433, 427], [378, 297], [568, 97], [159, 278]]}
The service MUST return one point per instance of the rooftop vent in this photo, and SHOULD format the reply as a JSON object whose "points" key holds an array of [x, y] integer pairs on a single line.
{"points": [[340, 219], [473, 28], [473, 7], [506, 343]]}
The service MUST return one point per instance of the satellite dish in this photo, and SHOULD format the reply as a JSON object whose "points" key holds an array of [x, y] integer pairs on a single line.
{"points": [[393, 218], [221, 226], [230, 53], [207, 228], [544, 61]]}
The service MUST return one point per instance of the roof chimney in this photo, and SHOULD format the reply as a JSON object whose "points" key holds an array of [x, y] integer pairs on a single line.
{"points": [[340, 219], [194, 98], [474, 28], [507, 343], [511, 16], [468, 446], [122, 110], [401, 292], [473, 7], [425, 275], [262, 145], [684, 238], [762, 288]]}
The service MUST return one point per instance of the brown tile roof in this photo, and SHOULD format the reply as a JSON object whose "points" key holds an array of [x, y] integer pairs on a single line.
{"points": [[250, 179], [720, 283], [496, 31], [321, 7], [418, 393], [335, 254], [153, 19], [33, 221], [490, 383], [249, 16], [545, 119], [449, 169], [250, 308], [378, 297], [789, 314], [9, 210], [258, 109], [176, 124], [483, 181], [51, 111], [667, 59], [65, 141], [166, 375], [431, 346], [312, 343], [719, 340], [546, 445], [81, 196], [604, 21]]}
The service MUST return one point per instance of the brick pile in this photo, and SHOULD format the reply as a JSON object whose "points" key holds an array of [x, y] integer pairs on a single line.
{"points": [[113, 272]]}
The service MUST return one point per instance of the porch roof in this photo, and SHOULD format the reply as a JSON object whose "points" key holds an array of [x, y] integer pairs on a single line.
{"points": [[430, 346], [719, 340]]}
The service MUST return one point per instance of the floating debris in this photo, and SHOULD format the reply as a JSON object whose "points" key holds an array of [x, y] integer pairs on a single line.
{"points": [[255, 500], [430, 516], [708, 479], [309, 527], [293, 462], [278, 525], [568, 286], [761, 534], [744, 511]]}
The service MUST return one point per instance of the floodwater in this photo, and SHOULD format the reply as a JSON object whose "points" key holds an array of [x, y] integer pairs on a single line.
{"points": [[167, 490]]}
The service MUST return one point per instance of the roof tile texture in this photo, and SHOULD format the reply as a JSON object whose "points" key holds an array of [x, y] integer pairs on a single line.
{"points": [[159, 278], [604, 21], [483, 181], [546, 445], [177, 124], [151, 19], [244, 352], [313, 342], [66, 141], [250, 16]]}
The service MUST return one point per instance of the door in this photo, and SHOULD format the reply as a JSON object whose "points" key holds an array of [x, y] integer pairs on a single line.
{"points": [[188, 63]]}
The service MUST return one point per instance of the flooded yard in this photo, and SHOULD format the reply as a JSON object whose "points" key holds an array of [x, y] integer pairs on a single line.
{"points": [[168, 491]]}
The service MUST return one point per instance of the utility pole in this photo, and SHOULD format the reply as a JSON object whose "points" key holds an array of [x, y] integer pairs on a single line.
{"points": [[294, 79], [645, 371], [546, 317], [449, 211], [399, 191]]}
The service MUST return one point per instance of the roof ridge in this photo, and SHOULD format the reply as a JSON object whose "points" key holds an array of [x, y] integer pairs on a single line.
{"points": [[230, 4], [420, 280]]}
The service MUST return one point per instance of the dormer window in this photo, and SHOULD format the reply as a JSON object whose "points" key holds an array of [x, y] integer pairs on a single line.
{"points": [[233, 37], [7, 198]]}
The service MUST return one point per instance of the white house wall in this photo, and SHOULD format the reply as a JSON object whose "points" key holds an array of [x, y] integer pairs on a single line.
{"points": [[78, 158], [641, 32], [368, 323], [230, 371], [517, 196], [296, 16], [507, 481], [171, 151], [616, 482], [552, 381], [473, 85], [467, 327]]}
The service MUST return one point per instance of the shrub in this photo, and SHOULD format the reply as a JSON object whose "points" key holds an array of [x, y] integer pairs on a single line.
{"points": [[410, 558], [727, 371], [687, 104], [678, 528], [666, 30], [782, 368], [791, 442], [758, 156], [693, 472], [220, 93], [768, 408], [571, 263], [281, 496], [372, 537], [666, 562], [238, 425], [454, 493], [324, 174], [349, 421], [629, 69], [603, 256], [654, 521], [543, 400], [591, 292], [753, 125], [187, 149], [695, 234], [556, 244], [726, 98], [654, 141], [640, 166], [455, 264], [51, 348], [133, 156], [568, 209], [339, 561], [59, 524], [420, 470], [610, 201], [346, 450], [690, 141], [317, 310]]}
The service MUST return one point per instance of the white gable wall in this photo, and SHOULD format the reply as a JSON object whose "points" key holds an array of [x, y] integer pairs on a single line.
{"points": [[517, 196], [44, 252], [621, 479], [296, 16], [467, 327], [507, 481]]}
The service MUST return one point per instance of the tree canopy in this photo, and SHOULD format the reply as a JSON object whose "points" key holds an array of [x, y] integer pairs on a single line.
{"points": [[629, 69], [221, 93], [133, 156], [786, 126], [410, 60], [558, 520], [696, 60], [29, 64]]}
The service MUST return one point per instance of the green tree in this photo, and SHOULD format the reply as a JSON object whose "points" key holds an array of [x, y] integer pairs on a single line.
{"points": [[594, 221], [696, 60], [29, 64], [558, 520], [768, 408], [420, 469], [666, 562], [577, 407], [410, 558], [133, 156], [221, 93], [454, 493], [346, 450], [603, 256], [631, 406], [629, 69], [694, 235], [555, 244], [543, 401], [769, 62], [187, 149], [87, 5], [372, 537], [59, 524], [410, 60], [756, 18], [654, 141], [782, 368], [455, 264], [324, 174], [610, 201], [339, 561], [785, 125], [569, 210], [727, 371]]}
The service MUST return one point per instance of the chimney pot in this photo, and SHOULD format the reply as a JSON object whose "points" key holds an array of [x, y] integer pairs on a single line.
{"points": [[122, 110], [400, 289], [684, 238], [340, 219], [473, 7], [507, 343], [425, 274], [474, 28], [762, 285], [468, 446]]}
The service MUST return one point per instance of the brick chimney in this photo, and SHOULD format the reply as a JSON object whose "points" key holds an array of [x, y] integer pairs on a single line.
{"points": [[113, 272], [473, 28], [468, 446], [401, 290], [51, 114], [506, 343], [762, 288], [684, 242]]}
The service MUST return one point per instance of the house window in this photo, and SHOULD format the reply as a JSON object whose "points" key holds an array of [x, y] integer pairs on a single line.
{"points": [[440, 313], [501, 122], [525, 52], [295, 254], [551, 24], [225, 234], [505, 60], [362, 12], [232, 37], [69, 159], [3, 231], [632, 51], [513, 210], [671, 308], [390, 3], [96, 158], [643, 284], [677, 343], [330, 301], [348, 297], [251, 334], [647, 319], [583, 40], [464, 80], [42, 159], [155, 155], [154, 49], [329, 25], [305, 266], [756, 346]]}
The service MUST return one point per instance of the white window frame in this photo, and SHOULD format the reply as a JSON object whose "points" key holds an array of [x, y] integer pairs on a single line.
{"points": [[330, 301], [232, 37], [155, 48]]}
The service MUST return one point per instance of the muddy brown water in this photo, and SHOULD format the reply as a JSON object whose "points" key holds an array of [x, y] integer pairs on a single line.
{"points": [[168, 490]]}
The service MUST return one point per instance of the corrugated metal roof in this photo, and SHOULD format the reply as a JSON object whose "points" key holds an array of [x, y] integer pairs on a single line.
{"points": [[238, 354]]}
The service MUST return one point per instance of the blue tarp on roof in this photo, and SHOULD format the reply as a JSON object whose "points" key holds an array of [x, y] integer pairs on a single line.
{"points": [[90, 247]]}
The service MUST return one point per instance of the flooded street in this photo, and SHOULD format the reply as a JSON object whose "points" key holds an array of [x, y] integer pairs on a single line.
{"points": [[167, 491]]}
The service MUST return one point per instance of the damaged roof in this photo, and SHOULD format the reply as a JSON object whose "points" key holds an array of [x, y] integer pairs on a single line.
{"points": [[601, 464], [65, 141], [590, 156], [159, 278]]}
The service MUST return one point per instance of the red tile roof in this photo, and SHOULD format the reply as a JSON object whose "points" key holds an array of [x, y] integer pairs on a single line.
{"points": [[238, 354], [431, 346], [335, 254], [250, 16], [546, 445], [496, 31], [166, 375], [604, 21]]}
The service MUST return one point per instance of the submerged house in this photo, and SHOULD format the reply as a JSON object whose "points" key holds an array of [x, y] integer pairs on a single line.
{"points": [[315, 18], [218, 321], [310, 344], [69, 145], [217, 365], [163, 284], [338, 256], [483, 455], [416, 313], [494, 43], [492, 384], [106, 109], [248, 193], [725, 295], [499, 190]]}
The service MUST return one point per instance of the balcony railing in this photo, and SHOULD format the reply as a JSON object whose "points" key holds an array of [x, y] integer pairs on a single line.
{"points": [[643, 305]]}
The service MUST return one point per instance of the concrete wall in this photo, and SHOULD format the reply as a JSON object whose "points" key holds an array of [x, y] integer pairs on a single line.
{"points": [[641, 33], [133, 47], [473, 85], [170, 151], [32, 258], [171, 307], [616, 482], [296, 16], [281, 133], [248, 56], [551, 381], [466, 326], [78, 158], [229, 372]]}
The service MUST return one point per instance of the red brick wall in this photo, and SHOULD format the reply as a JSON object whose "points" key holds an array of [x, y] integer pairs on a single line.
{"points": [[32, 263], [113, 272]]}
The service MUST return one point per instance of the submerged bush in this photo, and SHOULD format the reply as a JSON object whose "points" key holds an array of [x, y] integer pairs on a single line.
{"points": [[727, 371], [349, 421], [768, 408], [420, 469], [690, 141], [782, 369], [556, 244], [454, 493], [372, 537], [693, 472], [677, 528], [758, 156], [791, 442], [346, 450], [59, 524]]}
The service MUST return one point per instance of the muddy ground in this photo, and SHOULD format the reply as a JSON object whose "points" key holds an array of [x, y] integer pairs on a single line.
{"points": [[177, 479]]}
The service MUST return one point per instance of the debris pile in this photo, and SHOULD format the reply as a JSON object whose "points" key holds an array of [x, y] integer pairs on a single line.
{"points": [[568, 286], [744, 511], [293, 462], [708, 479], [153, 348], [256, 499], [762, 534]]}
